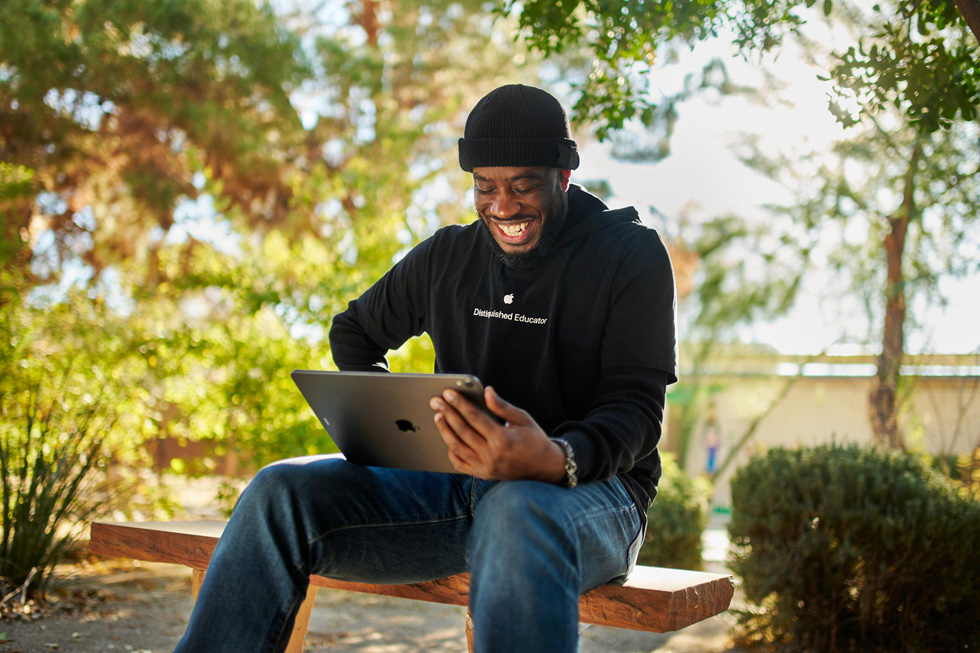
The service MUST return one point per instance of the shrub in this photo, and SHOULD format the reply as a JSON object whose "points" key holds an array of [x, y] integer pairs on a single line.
{"points": [[676, 520], [56, 410], [848, 548], [48, 451]]}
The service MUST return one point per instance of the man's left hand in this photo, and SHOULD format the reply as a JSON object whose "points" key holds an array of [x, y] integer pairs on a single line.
{"points": [[483, 447]]}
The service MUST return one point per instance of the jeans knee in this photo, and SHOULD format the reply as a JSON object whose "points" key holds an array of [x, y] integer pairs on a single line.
{"points": [[514, 517], [519, 502], [272, 488]]}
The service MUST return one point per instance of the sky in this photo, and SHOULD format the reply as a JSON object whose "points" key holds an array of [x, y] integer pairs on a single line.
{"points": [[702, 177]]}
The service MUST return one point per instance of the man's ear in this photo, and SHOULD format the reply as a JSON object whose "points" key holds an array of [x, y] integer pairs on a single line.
{"points": [[564, 176]]}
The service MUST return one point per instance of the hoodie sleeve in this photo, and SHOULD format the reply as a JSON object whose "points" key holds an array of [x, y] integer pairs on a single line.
{"points": [[624, 425], [622, 428]]}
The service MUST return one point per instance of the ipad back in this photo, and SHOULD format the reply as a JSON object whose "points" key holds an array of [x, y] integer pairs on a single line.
{"points": [[384, 419]]}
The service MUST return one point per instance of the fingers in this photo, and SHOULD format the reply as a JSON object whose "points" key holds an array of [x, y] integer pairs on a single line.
{"points": [[478, 444], [455, 447], [504, 409], [462, 441], [474, 418]]}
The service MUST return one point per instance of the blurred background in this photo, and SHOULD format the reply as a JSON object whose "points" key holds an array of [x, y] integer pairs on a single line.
{"points": [[191, 189]]}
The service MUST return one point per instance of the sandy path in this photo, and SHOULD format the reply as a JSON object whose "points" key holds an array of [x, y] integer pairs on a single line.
{"points": [[146, 607]]}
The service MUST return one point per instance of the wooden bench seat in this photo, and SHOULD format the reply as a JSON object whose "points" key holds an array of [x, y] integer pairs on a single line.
{"points": [[652, 599]]}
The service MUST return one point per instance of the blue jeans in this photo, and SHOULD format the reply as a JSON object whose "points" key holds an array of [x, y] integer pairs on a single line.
{"points": [[532, 548]]}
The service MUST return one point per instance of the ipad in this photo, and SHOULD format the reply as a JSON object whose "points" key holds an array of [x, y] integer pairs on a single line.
{"points": [[383, 419]]}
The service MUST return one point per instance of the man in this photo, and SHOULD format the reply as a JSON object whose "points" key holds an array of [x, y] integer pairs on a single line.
{"points": [[565, 310]]}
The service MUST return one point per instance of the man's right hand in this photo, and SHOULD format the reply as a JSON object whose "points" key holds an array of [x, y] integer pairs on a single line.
{"points": [[483, 447]]}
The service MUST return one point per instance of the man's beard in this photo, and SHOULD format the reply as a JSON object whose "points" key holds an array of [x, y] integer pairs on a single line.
{"points": [[550, 230]]}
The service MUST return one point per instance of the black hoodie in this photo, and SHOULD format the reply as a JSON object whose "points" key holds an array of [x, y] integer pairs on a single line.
{"points": [[585, 341]]}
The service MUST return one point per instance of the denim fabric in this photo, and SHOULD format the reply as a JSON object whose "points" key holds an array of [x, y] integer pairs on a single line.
{"points": [[531, 548]]}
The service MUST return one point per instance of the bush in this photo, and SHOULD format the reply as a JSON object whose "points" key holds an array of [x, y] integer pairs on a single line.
{"points": [[676, 520], [57, 409], [848, 548], [49, 447]]}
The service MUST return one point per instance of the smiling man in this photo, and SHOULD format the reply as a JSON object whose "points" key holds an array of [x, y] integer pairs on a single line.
{"points": [[565, 310], [523, 210]]}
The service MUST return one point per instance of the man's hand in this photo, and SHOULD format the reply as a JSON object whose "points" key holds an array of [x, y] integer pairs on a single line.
{"points": [[482, 447]]}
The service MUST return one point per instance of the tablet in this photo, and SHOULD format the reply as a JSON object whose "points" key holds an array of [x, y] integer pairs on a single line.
{"points": [[383, 419]]}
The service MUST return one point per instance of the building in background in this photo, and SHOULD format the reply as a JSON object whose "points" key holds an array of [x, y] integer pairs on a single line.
{"points": [[756, 399]]}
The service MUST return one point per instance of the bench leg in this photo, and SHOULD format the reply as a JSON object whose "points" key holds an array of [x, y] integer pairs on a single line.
{"points": [[469, 631], [302, 622], [197, 577]]}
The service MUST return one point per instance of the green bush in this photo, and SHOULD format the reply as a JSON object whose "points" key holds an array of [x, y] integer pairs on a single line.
{"points": [[855, 549], [57, 411], [676, 520]]}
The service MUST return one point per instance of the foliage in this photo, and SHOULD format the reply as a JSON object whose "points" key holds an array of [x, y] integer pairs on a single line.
{"points": [[115, 108], [874, 225], [919, 56], [677, 519], [962, 469], [219, 370], [16, 183], [849, 548], [624, 38], [59, 416], [221, 177], [969, 473]]}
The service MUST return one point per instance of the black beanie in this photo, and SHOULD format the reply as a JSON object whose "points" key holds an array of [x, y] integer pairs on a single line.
{"points": [[517, 125]]}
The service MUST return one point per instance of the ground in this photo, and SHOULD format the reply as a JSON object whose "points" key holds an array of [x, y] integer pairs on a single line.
{"points": [[120, 606], [103, 606]]}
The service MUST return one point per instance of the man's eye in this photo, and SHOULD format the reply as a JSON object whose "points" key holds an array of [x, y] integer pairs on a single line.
{"points": [[483, 191]]}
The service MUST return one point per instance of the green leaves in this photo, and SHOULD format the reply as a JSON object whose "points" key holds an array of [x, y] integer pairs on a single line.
{"points": [[624, 39], [105, 100], [855, 548], [935, 81], [61, 413], [677, 519], [921, 56], [15, 180]]}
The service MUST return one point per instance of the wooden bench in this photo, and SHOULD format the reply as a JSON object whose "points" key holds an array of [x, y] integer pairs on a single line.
{"points": [[652, 599]]}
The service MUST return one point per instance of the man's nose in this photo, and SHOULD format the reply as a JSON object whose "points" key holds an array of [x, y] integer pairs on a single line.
{"points": [[505, 205]]}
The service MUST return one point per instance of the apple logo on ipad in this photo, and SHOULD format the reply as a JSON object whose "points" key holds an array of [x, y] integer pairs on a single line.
{"points": [[406, 426]]}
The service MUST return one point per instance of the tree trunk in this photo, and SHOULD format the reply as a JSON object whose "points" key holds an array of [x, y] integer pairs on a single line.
{"points": [[884, 386], [970, 11]]}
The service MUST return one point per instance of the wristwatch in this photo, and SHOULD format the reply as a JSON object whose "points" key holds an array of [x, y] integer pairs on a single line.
{"points": [[571, 468]]}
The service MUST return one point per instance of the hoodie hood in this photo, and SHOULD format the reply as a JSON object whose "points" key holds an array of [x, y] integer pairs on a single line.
{"points": [[587, 214]]}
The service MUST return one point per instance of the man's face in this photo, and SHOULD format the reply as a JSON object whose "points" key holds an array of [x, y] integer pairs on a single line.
{"points": [[523, 210]]}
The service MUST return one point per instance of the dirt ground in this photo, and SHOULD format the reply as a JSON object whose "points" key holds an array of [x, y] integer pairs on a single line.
{"points": [[132, 607], [109, 606]]}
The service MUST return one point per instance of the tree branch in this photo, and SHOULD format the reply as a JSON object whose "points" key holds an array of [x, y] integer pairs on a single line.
{"points": [[970, 11]]}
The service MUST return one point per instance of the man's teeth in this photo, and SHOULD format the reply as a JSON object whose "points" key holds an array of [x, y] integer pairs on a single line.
{"points": [[513, 230]]}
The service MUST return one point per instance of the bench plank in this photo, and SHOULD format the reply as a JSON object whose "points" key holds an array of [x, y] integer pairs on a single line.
{"points": [[653, 599]]}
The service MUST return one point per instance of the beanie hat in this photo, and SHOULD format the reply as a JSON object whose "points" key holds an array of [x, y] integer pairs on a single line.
{"points": [[517, 125]]}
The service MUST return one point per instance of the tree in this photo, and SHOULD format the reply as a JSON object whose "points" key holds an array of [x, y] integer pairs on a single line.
{"points": [[224, 176], [628, 37], [115, 107], [914, 196], [918, 61]]}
